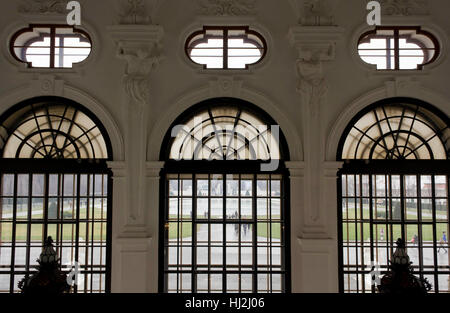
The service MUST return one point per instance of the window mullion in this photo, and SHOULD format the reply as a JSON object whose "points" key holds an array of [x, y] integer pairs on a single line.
{"points": [[77, 227], [224, 277], [52, 46], [27, 254], [225, 48], [194, 234], [255, 236], [433, 206], [397, 48], [388, 53], [419, 226], [372, 258], [14, 230]]}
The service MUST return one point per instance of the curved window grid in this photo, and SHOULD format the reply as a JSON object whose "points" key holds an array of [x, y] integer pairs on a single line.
{"points": [[398, 48], [39, 198], [380, 202], [224, 231], [398, 132], [225, 133], [226, 47], [51, 46], [51, 132]]}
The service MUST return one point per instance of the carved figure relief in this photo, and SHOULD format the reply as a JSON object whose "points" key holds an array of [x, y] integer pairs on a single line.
{"points": [[311, 84], [139, 66]]}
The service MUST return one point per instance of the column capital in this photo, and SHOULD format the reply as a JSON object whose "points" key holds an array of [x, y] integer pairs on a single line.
{"points": [[118, 168], [153, 168], [140, 46], [330, 169], [296, 168], [315, 43], [135, 35]]}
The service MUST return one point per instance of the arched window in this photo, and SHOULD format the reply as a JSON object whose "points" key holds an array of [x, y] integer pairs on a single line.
{"points": [[224, 221], [398, 48], [54, 182], [226, 47], [50, 46], [394, 184]]}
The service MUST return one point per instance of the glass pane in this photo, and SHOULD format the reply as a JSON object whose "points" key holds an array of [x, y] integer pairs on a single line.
{"points": [[22, 185], [216, 208], [38, 185], [7, 185]]}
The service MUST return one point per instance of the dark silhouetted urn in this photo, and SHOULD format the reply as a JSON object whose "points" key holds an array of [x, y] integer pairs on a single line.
{"points": [[49, 279], [400, 278]]}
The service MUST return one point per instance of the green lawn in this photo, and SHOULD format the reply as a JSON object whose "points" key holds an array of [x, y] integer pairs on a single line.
{"points": [[37, 229], [411, 229], [37, 232], [263, 228], [427, 232], [185, 228]]}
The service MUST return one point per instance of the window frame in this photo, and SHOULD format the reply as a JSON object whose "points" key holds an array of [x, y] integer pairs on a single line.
{"points": [[190, 45], [224, 168], [52, 47], [59, 167], [396, 49], [400, 101], [389, 168], [59, 101]]}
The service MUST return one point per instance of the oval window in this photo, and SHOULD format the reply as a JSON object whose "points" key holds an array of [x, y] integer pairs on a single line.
{"points": [[226, 47], [398, 48], [50, 46]]}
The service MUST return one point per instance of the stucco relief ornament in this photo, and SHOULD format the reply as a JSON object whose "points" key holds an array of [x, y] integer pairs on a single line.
{"points": [[312, 84], [134, 13], [227, 7], [404, 7], [140, 63], [317, 12], [43, 6]]}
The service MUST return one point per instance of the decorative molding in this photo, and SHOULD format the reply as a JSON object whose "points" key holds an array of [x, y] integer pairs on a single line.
{"points": [[400, 86], [153, 169], [118, 169], [315, 42], [140, 63], [315, 45], [225, 87], [312, 84], [51, 7], [48, 85], [296, 169], [314, 12], [134, 231], [227, 7], [404, 7], [140, 47], [330, 169], [139, 244], [315, 244], [134, 12]]}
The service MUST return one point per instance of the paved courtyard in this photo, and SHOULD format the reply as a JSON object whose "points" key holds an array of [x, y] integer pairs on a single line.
{"points": [[232, 257], [443, 259]]}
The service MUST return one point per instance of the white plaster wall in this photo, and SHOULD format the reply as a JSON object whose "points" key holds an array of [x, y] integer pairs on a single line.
{"points": [[176, 84]]}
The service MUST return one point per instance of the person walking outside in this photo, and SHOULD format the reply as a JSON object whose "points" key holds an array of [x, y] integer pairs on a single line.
{"points": [[443, 242]]}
